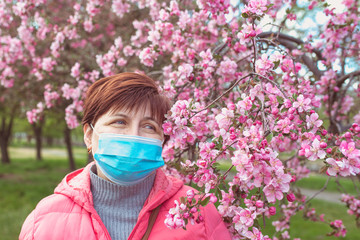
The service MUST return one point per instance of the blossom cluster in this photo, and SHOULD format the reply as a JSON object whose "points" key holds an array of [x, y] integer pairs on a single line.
{"points": [[353, 205]]}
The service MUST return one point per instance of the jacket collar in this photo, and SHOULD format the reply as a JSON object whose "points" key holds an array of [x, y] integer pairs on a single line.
{"points": [[77, 186]]}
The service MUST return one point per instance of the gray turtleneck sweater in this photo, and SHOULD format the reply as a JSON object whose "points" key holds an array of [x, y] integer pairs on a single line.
{"points": [[119, 206]]}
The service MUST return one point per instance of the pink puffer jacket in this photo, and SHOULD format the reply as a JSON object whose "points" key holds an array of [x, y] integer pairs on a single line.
{"points": [[70, 214]]}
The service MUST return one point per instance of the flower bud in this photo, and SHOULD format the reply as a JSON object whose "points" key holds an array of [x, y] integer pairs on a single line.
{"points": [[323, 132], [329, 150], [272, 210], [275, 111], [290, 197], [347, 135], [190, 194], [291, 117], [323, 144], [193, 210], [200, 219], [293, 178], [292, 110]]}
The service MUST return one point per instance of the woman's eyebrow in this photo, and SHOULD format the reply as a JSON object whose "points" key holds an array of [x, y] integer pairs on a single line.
{"points": [[151, 119], [120, 115]]}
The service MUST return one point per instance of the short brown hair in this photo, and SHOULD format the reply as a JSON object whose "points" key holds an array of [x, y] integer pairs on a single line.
{"points": [[129, 91]]}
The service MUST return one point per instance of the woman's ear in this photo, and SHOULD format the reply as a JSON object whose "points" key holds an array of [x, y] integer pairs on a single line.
{"points": [[88, 135]]}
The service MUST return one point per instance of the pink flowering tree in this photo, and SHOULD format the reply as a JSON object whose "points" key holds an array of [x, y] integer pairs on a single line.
{"points": [[250, 87]]}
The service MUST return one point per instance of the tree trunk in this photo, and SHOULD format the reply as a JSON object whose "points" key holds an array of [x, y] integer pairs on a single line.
{"points": [[4, 151], [37, 128], [5, 133], [67, 138]]}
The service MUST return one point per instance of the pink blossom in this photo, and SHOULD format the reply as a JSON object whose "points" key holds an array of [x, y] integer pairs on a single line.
{"points": [[272, 193], [283, 125], [227, 69], [263, 65], [248, 31], [315, 152], [336, 167], [313, 121], [349, 150], [302, 104], [148, 56], [257, 7], [47, 64], [75, 70], [247, 217], [119, 7], [88, 25], [224, 118]]}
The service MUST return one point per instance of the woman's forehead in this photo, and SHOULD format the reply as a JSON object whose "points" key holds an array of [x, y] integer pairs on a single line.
{"points": [[143, 111]]}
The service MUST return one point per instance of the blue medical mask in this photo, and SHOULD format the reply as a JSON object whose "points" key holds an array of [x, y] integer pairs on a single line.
{"points": [[126, 159]]}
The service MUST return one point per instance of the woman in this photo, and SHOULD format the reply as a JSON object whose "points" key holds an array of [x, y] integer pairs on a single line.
{"points": [[124, 194]]}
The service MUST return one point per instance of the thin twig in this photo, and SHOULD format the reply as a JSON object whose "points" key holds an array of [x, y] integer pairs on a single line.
{"points": [[355, 186], [340, 187], [269, 80], [223, 94], [320, 191]]}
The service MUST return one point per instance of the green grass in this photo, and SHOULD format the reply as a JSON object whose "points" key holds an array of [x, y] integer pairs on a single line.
{"points": [[317, 181], [25, 182], [308, 230]]}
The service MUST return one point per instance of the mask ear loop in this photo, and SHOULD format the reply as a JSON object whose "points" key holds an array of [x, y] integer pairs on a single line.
{"points": [[90, 148], [93, 129]]}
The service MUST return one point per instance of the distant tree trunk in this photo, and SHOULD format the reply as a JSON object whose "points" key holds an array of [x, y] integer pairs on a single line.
{"points": [[37, 128], [49, 141], [5, 133], [67, 138], [4, 150]]}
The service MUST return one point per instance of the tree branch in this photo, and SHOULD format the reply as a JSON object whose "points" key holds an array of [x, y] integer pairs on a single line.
{"points": [[342, 79], [291, 43]]}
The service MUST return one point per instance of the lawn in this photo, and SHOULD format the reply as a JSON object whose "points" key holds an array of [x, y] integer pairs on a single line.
{"points": [[308, 230], [25, 181]]}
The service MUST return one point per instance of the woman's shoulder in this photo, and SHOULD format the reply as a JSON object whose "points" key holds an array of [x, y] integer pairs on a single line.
{"points": [[51, 216], [54, 203]]}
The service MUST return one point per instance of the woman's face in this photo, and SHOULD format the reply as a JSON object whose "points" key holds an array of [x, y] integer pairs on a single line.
{"points": [[137, 123]]}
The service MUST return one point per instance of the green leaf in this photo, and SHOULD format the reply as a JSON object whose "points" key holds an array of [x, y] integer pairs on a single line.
{"points": [[183, 200], [280, 99], [245, 15], [269, 137], [205, 201], [276, 64]]}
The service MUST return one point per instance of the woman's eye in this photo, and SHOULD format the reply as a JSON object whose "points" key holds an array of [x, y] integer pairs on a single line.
{"points": [[121, 122], [150, 127]]}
